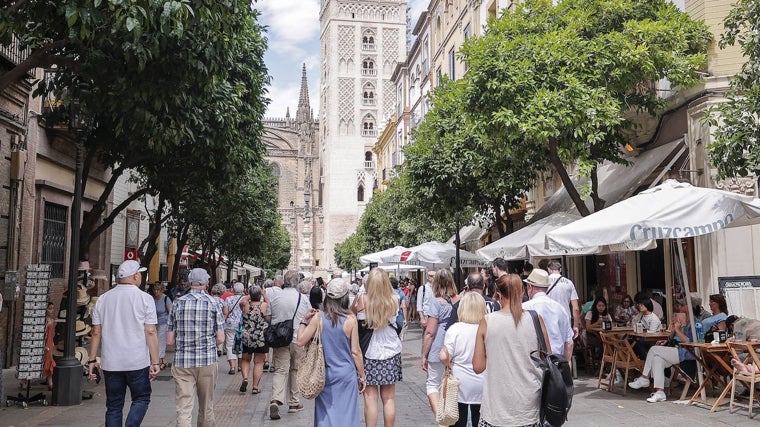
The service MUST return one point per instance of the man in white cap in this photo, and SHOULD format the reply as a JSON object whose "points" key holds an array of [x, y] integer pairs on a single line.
{"points": [[124, 326], [555, 318], [196, 328]]}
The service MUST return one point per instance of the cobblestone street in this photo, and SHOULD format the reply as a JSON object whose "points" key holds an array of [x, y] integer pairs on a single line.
{"points": [[591, 407]]}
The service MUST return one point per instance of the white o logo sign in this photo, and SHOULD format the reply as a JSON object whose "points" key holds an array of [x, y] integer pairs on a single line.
{"points": [[130, 255]]}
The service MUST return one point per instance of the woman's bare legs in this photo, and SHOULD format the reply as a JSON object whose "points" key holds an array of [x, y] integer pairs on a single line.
{"points": [[245, 365], [742, 368], [370, 405], [388, 395], [258, 369]]}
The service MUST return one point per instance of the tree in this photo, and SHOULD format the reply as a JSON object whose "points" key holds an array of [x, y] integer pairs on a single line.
{"points": [[558, 83], [176, 88], [393, 217], [735, 150], [450, 166]]}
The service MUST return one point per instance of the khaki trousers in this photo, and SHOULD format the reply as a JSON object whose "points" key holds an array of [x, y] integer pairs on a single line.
{"points": [[285, 371], [188, 381]]}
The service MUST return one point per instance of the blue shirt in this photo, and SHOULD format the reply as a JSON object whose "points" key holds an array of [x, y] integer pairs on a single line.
{"points": [[402, 298], [195, 318]]}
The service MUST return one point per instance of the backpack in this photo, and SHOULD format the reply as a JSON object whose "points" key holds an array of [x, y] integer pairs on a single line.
{"points": [[254, 324], [557, 382]]}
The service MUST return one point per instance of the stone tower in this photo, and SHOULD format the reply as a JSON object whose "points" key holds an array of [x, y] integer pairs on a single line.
{"points": [[360, 43]]}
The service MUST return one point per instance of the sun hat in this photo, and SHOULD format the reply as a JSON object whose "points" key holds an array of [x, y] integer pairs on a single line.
{"points": [[538, 278], [82, 328], [82, 296], [82, 355], [337, 288], [130, 268]]}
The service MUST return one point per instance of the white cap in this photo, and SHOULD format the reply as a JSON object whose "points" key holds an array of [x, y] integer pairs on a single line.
{"points": [[130, 268], [199, 276]]}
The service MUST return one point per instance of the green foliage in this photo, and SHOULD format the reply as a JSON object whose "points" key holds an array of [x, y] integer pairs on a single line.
{"points": [[391, 218], [553, 84], [735, 150]]}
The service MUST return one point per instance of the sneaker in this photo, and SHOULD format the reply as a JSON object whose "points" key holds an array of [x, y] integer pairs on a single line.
{"points": [[274, 411], [640, 382], [244, 386], [658, 396], [295, 408], [618, 378]]}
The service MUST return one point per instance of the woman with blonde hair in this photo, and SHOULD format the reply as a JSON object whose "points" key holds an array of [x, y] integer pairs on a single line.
{"points": [[504, 342], [376, 311], [458, 350], [445, 295]]}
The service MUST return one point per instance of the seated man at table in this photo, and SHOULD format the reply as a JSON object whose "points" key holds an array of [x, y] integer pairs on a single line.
{"points": [[661, 357], [651, 324]]}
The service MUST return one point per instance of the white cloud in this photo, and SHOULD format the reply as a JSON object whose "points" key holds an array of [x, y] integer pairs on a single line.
{"points": [[292, 23], [282, 97], [415, 8]]}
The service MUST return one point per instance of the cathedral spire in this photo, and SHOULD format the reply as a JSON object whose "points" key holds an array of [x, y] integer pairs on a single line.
{"points": [[304, 111]]}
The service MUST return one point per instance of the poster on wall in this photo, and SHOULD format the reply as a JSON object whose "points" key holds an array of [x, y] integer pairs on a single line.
{"points": [[735, 282]]}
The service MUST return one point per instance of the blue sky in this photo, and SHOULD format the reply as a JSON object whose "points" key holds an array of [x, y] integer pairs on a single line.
{"points": [[293, 34]]}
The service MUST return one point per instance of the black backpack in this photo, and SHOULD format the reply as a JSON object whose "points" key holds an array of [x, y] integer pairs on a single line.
{"points": [[557, 383]]}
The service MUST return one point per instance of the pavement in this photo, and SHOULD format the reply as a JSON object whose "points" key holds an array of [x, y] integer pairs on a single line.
{"points": [[591, 406]]}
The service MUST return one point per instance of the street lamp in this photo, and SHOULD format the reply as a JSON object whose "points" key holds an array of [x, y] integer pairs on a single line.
{"points": [[67, 375], [292, 213]]}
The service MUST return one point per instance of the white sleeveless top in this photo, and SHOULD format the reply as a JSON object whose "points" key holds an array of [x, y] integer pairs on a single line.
{"points": [[508, 361]]}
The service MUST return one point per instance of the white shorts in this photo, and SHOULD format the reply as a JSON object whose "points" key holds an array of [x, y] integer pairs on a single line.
{"points": [[434, 377], [229, 342]]}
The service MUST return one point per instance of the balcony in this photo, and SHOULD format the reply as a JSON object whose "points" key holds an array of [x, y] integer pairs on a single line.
{"points": [[369, 72], [369, 132], [368, 46], [369, 164], [13, 53], [369, 101]]}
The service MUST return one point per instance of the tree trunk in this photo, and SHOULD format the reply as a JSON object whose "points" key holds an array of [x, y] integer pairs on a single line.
{"points": [[182, 237], [499, 220], [598, 201], [88, 233], [566, 181], [149, 244]]}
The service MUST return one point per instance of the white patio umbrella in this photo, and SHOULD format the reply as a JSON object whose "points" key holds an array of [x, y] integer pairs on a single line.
{"points": [[378, 256], [397, 268], [435, 254], [672, 210], [530, 241]]}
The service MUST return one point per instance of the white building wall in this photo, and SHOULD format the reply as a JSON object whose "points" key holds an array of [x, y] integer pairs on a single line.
{"points": [[343, 24]]}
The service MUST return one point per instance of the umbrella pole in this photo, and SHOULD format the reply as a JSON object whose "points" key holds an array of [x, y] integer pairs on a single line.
{"points": [[687, 290]]}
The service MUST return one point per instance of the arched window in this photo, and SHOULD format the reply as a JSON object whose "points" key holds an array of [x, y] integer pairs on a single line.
{"points": [[368, 67], [368, 40], [360, 193], [369, 94], [368, 126], [368, 156]]}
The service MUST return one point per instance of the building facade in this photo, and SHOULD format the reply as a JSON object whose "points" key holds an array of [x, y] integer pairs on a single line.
{"points": [[361, 42], [293, 150]]}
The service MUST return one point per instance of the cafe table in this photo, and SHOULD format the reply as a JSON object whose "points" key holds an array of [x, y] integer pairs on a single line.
{"points": [[651, 336], [715, 361]]}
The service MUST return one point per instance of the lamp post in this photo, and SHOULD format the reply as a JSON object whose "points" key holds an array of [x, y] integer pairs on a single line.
{"points": [[457, 272], [67, 375]]}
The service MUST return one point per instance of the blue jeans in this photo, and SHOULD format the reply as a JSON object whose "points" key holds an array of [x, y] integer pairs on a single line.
{"points": [[116, 389]]}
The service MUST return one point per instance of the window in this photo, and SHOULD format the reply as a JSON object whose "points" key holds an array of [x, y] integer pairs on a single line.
{"points": [[368, 68], [368, 95], [360, 193], [368, 40], [368, 126], [467, 32], [425, 65], [367, 156], [438, 76], [452, 64], [54, 239]]}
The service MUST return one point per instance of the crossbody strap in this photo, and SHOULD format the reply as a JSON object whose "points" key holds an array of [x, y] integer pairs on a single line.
{"points": [[553, 285], [298, 304], [539, 332]]}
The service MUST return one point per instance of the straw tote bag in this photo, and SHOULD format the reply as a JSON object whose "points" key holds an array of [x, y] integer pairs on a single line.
{"points": [[448, 407], [311, 369]]}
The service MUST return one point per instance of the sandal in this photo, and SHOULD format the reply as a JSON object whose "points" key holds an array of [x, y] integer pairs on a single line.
{"points": [[255, 390], [232, 371]]}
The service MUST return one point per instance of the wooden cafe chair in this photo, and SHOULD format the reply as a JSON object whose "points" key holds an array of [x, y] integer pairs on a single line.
{"points": [[748, 380], [608, 360], [625, 358]]}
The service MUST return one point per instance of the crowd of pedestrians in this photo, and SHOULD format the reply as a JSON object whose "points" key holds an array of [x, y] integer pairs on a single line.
{"points": [[362, 328]]}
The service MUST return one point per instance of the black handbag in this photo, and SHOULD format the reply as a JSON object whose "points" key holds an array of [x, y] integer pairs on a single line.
{"points": [[281, 334], [365, 335]]}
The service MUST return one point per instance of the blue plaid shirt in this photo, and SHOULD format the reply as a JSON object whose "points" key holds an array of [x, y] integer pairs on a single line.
{"points": [[195, 318]]}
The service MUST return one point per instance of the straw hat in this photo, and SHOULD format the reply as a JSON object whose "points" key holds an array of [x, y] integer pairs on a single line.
{"points": [[82, 296], [82, 355], [82, 328], [90, 307]]}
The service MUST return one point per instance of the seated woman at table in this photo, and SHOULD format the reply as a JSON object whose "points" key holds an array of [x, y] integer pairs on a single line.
{"points": [[625, 311], [594, 319], [661, 357], [651, 324], [716, 322]]}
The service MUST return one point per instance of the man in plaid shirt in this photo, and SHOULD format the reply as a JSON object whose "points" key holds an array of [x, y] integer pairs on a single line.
{"points": [[196, 328]]}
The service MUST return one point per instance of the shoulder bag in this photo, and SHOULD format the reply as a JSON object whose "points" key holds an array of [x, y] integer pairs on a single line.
{"points": [[448, 405], [311, 366], [557, 381], [281, 334]]}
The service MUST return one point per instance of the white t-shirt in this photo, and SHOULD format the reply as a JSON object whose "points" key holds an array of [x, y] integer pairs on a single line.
{"points": [[557, 324], [122, 314], [283, 305], [460, 343], [563, 292], [424, 296]]}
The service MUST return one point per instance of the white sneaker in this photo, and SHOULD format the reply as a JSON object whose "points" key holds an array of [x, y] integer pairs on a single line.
{"points": [[658, 396], [638, 383], [618, 377]]}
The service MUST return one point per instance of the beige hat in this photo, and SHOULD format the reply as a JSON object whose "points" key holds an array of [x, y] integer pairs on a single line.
{"points": [[82, 296], [82, 355], [82, 328], [538, 278], [337, 288]]}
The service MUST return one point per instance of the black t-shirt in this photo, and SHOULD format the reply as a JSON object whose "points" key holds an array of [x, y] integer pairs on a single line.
{"points": [[491, 306]]}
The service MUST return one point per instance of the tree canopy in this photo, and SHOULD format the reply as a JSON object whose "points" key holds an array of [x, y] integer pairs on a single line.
{"points": [[735, 150]]}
